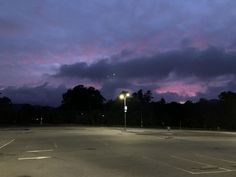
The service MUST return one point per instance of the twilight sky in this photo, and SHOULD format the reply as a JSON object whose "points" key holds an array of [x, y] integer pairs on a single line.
{"points": [[179, 49]]}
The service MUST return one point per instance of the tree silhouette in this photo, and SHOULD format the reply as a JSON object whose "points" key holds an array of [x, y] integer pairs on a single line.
{"points": [[82, 105], [86, 105], [141, 100], [5, 103], [82, 98], [5, 110], [228, 104]]}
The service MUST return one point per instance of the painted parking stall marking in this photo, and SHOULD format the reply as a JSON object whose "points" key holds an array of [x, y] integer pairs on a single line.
{"points": [[33, 155], [36, 151], [7, 143], [35, 158], [205, 167]]}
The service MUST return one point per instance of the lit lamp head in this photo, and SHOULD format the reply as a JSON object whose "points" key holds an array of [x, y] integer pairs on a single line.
{"points": [[122, 96]]}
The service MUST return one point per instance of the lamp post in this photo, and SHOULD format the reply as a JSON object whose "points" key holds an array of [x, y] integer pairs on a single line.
{"points": [[123, 96]]}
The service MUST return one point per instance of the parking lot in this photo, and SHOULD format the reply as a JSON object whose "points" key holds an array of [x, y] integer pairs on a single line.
{"points": [[113, 152]]}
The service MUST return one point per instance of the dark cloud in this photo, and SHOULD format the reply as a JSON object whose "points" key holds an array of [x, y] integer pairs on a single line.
{"points": [[213, 92], [186, 43], [112, 87], [202, 64], [200, 71], [83, 70], [40, 95], [204, 73], [8, 27]]}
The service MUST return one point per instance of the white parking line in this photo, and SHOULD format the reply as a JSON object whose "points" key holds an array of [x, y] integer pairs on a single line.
{"points": [[35, 158], [46, 150], [166, 164], [184, 170], [204, 172], [209, 157], [221, 170], [188, 171], [7, 143], [189, 160], [211, 172], [229, 161]]}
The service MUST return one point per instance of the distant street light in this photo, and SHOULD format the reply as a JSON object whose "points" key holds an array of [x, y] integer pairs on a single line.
{"points": [[41, 120], [123, 96]]}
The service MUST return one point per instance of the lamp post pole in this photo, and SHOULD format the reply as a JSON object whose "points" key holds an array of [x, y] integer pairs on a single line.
{"points": [[125, 110], [124, 97]]}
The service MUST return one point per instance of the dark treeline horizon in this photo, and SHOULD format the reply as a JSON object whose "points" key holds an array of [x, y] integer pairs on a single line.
{"points": [[86, 106]]}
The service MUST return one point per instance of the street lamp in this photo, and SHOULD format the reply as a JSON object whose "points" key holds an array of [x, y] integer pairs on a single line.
{"points": [[123, 96]]}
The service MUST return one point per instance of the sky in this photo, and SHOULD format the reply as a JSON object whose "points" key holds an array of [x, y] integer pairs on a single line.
{"points": [[179, 49]]}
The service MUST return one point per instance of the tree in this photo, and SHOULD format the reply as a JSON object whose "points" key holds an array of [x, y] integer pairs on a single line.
{"points": [[228, 104], [5, 103], [142, 100], [82, 98], [228, 98], [82, 104], [5, 110], [141, 97]]}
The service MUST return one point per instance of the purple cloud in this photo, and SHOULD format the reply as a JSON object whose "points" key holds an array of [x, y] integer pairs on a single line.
{"points": [[186, 73], [38, 38], [40, 95]]}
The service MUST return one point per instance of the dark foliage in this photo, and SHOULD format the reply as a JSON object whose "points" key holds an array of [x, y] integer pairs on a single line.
{"points": [[5, 110], [82, 98], [82, 105]]}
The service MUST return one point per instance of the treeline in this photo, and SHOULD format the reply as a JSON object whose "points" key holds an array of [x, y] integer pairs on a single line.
{"points": [[86, 106]]}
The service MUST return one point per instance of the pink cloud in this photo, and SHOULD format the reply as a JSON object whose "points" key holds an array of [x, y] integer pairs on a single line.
{"points": [[182, 89], [200, 42]]}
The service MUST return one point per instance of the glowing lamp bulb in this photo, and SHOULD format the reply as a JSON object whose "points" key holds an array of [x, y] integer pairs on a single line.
{"points": [[122, 96]]}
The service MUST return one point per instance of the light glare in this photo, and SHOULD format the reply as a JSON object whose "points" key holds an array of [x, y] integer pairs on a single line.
{"points": [[122, 96]]}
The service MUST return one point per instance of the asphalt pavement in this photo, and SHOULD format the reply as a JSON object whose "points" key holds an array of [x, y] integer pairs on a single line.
{"points": [[113, 152]]}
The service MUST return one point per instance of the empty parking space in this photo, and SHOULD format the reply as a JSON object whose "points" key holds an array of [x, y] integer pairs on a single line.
{"points": [[83, 151]]}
